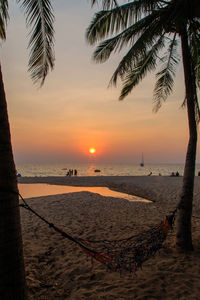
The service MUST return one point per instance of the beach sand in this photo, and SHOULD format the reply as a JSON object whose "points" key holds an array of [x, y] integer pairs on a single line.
{"points": [[57, 268]]}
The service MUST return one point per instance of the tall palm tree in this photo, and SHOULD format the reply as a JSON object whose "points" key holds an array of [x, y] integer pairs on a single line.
{"points": [[40, 18], [147, 28]]}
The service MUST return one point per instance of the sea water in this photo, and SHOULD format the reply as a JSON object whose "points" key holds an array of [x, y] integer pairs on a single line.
{"points": [[29, 191], [87, 169]]}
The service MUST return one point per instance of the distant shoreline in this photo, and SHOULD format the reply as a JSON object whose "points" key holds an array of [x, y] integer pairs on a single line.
{"points": [[88, 169]]}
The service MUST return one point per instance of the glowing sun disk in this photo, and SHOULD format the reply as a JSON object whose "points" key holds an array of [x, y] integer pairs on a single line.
{"points": [[92, 150]]}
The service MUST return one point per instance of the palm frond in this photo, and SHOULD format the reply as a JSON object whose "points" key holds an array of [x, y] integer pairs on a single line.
{"points": [[194, 42], [104, 50], [195, 48], [139, 24], [197, 111], [145, 5], [165, 78], [147, 40], [106, 4], [39, 17], [145, 64], [145, 32], [108, 22], [183, 105], [142, 31], [3, 18], [112, 21]]}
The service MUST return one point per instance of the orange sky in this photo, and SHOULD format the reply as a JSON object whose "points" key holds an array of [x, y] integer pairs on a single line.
{"points": [[75, 110]]}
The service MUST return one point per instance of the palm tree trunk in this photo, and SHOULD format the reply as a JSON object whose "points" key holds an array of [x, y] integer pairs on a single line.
{"points": [[184, 235], [12, 276]]}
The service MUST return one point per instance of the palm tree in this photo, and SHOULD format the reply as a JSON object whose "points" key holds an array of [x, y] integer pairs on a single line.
{"points": [[40, 18], [147, 28]]}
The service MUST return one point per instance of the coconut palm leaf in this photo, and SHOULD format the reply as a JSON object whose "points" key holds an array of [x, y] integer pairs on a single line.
{"points": [[40, 18], [197, 108], [103, 51], [109, 22], [195, 48], [197, 111], [194, 38], [145, 64], [112, 21], [102, 24], [142, 44], [106, 4], [3, 18], [145, 32], [146, 4], [134, 76], [196, 57], [165, 78]]}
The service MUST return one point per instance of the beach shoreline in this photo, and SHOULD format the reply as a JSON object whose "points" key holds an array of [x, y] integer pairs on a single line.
{"points": [[57, 269], [147, 187]]}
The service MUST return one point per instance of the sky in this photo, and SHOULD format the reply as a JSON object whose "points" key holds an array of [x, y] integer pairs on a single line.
{"points": [[75, 109]]}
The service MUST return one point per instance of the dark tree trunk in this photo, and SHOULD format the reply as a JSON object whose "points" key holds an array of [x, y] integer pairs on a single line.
{"points": [[12, 277], [184, 235]]}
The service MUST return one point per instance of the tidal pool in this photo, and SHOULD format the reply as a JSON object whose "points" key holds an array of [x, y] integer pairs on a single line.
{"points": [[42, 189]]}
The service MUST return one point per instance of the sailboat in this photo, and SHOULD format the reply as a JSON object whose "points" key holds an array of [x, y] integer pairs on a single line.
{"points": [[142, 162]]}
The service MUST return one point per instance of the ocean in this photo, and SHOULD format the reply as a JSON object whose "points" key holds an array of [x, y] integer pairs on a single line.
{"points": [[87, 169]]}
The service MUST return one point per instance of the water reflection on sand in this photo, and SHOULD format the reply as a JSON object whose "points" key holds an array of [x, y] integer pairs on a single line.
{"points": [[42, 189]]}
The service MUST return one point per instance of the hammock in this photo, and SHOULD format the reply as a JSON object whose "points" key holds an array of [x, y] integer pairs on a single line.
{"points": [[130, 253], [126, 254]]}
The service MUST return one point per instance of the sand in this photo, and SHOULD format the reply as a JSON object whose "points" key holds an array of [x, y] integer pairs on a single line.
{"points": [[56, 268]]}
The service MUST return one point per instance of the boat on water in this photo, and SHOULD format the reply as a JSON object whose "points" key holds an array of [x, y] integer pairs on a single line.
{"points": [[142, 161]]}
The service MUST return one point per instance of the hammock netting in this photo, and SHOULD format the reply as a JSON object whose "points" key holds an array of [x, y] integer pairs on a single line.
{"points": [[129, 254], [120, 255]]}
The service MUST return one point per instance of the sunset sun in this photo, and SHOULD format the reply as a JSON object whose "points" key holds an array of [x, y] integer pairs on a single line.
{"points": [[92, 150]]}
